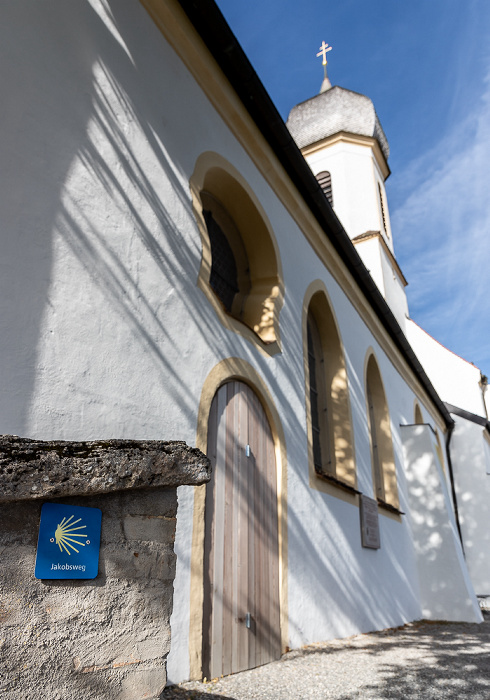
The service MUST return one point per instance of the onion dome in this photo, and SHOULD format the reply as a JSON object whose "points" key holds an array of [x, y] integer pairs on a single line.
{"points": [[335, 110]]}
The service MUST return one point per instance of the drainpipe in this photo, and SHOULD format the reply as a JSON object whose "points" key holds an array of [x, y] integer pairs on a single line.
{"points": [[451, 478]]}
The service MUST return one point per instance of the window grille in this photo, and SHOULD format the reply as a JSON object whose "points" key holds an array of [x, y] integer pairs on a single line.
{"points": [[318, 399], [224, 278]]}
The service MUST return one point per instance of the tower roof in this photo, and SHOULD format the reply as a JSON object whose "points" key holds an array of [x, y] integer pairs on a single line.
{"points": [[332, 111]]}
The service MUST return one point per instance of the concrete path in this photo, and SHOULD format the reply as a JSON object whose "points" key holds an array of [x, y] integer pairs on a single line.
{"points": [[426, 661]]}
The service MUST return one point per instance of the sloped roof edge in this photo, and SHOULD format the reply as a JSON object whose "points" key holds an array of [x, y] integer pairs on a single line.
{"points": [[213, 29]]}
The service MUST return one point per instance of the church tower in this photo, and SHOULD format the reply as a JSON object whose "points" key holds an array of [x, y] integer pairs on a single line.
{"points": [[342, 140]]}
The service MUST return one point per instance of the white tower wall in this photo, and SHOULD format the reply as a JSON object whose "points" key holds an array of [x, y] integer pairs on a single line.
{"points": [[355, 177], [455, 380]]}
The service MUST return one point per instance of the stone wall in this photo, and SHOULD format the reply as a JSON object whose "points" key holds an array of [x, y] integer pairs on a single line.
{"points": [[101, 638]]}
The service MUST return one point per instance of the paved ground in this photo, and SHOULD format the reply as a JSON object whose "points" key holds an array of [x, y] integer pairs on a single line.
{"points": [[423, 661]]}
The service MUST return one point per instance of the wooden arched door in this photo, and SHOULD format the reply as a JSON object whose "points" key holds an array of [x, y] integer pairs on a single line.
{"points": [[241, 621]]}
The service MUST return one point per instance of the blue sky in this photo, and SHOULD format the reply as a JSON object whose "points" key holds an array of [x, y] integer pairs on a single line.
{"points": [[426, 66]]}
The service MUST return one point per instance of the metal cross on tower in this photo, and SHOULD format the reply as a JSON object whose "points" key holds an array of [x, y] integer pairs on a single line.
{"points": [[323, 52]]}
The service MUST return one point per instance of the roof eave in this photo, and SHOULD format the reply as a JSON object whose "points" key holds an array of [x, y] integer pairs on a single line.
{"points": [[213, 29]]}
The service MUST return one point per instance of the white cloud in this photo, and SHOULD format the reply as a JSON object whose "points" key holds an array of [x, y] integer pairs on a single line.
{"points": [[442, 236]]}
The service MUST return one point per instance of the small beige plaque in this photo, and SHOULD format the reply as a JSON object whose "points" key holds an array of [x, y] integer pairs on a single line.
{"points": [[369, 522]]}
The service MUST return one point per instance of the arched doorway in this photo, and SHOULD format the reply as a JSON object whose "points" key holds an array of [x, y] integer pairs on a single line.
{"points": [[241, 614]]}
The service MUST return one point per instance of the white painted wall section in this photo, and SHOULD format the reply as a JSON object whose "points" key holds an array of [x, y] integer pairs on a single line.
{"points": [[469, 455], [388, 281], [354, 185], [486, 451], [446, 591], [394, 289], [104, 332], [370, 253], [455, 380]]}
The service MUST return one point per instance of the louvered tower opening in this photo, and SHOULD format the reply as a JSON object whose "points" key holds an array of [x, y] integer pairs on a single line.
{"points": [[325, 181], [382, 206]]}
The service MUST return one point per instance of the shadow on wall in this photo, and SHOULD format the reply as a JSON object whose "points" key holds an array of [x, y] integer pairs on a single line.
{"points": [[36, 155], [338, 586], [72, 120], [92, 185], [472, 491], [349, 588], [346, 587]]}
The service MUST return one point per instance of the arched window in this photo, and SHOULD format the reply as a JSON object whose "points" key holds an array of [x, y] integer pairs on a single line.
{"points": [[383, 459], [328, 411], [325, 181], [320, 414], [230, 275], [240, 265]]}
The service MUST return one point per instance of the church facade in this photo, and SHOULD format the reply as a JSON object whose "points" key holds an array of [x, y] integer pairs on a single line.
{"points": [[178, 264]]}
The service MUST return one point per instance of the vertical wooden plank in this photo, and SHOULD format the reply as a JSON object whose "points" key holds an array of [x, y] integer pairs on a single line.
{"points": [[263, 580], [265, 539], [243, 633], [258, 531], [209, 538], [252, 539], [249, 534], [235, 627], [219, 523], [257, 534], [274, 606], [227, 533]]}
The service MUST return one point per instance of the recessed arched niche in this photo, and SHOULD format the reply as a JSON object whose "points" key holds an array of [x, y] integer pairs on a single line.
{"points": [[240, 267], [330, 439], [382, 454]]}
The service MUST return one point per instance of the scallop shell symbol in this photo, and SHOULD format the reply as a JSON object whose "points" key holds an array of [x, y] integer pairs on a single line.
{"points": [[66, 534]]}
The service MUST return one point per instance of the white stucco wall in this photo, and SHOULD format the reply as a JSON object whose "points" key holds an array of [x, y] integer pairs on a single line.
{"points": [[486, 453], [394, 290], [470, 467], [446, 591], [458, 383], [387, 279], [355, 177], [336, 587], [455, 380], [104, 332], [371, 254]]}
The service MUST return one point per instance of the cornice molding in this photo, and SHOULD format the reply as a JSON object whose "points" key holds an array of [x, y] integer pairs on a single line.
{"points": [[357, 140]]}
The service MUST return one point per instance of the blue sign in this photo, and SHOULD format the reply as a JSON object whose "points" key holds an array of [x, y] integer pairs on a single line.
{"points": [[69, 542]]}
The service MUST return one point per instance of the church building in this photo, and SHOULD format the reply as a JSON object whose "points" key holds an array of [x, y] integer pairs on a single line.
{"points": [[179, 264]]}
